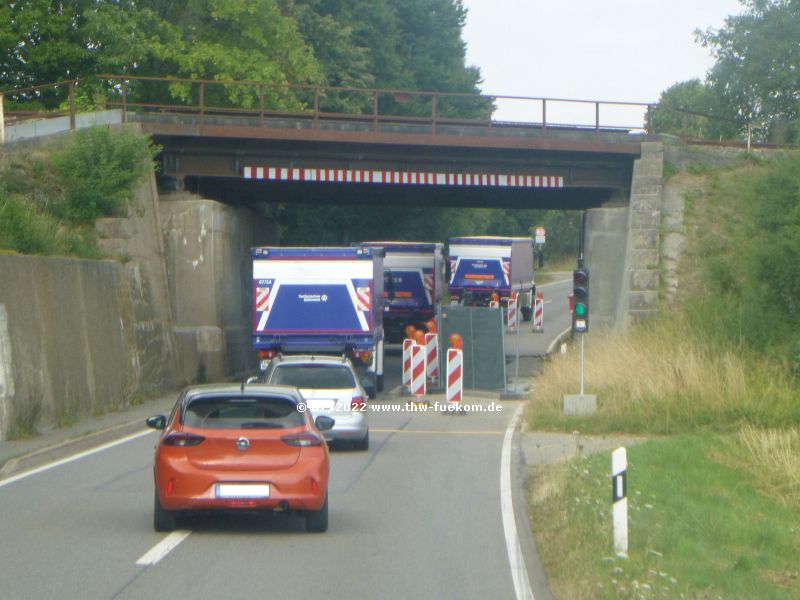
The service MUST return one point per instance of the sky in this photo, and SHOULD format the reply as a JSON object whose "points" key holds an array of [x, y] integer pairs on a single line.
{"points": [[610, 50]]}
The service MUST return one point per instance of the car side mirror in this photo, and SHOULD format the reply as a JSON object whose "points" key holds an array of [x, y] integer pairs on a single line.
{"points": [[324, 423], [157, 422], [250, 380]]}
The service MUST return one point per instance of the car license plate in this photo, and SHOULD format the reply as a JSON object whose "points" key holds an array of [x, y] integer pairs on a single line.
{"points": [[242, 490]]}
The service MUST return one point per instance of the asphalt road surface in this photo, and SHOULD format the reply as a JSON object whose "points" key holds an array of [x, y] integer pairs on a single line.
{"points": [[419, 515]]}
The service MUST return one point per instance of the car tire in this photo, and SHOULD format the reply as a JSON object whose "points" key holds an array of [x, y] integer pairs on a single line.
{"points": [[362, 444], [379, 383], [317, 520], [163, 520], [527, 313]]}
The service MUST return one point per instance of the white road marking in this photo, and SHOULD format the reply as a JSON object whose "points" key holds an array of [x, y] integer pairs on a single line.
{"points": [[519, 572], [74, 457], [557, 339], [164, 547]]}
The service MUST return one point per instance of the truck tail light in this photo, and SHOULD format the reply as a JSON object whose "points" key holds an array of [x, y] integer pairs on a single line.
{"points": [[267, 354]]}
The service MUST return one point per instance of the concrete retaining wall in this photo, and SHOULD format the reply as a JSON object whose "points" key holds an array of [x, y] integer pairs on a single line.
{"points": [[70, 345], [207, 251], [81, 337]]}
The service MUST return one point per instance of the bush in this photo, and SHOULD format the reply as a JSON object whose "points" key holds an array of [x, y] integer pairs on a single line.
{"points": [[98, 169]]}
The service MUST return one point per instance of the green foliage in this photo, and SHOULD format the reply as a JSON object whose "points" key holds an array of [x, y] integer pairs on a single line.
{"points": [[757, 69], [693, 110], [98, 169], [341, 225], [49, 200]]}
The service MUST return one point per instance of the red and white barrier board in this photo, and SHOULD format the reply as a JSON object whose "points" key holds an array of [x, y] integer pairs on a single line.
{"points": [[432, 356], [407, 345], [538, 312], [494, 304], [455, 375], [513, 314], [418, 380]]}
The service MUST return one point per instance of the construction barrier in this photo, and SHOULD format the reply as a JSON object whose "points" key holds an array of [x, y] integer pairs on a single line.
{"points": [[494, 304], [432, 357], [538, 313], [407, 345], [513, 315], [455, 375], [418, 380]]}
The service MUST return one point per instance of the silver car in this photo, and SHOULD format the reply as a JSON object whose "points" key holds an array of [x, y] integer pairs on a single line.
{"points": [[330, 387]]}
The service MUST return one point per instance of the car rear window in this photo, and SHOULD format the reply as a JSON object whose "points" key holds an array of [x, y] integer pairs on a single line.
{"points": [[314, 376], [242, 413]]}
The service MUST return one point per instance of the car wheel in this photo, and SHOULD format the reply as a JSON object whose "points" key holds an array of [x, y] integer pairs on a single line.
{"points": [[163, 520], [379, 383], [362, 444], [317, 520]]}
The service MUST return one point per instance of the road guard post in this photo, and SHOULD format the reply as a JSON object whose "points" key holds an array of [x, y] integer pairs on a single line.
{"points": [[619, 496], [407, 345], [455, 380], [432, 357]]}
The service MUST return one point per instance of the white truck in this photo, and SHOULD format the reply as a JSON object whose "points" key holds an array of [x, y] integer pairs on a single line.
{"points": [[319, 301], [413, 284], [483, 268]]}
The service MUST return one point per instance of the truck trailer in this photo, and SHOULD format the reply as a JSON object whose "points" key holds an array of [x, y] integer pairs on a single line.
{"points": [[486, 268], [413, 284], [319, 301]]}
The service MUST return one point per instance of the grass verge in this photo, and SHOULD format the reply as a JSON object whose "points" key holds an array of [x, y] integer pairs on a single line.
{"points": [[700, 525]]}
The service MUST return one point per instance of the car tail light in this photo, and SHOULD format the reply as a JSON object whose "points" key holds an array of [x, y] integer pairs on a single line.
{"points": [[183, 439], [265, 354], [357, 402], [304, 438]]}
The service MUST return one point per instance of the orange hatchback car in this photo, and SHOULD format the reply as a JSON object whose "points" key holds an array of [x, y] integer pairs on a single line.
{"points": [[247, 447]]}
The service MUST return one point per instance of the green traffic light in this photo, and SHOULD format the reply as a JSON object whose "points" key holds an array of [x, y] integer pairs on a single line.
{"points": [[580, 310]]}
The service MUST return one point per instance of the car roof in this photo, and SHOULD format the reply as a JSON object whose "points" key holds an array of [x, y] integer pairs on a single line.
{"points": [[312, 359], [242, 389]]}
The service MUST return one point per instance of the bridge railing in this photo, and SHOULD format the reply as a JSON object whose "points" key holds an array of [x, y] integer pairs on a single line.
{"points": [[257, 104]]}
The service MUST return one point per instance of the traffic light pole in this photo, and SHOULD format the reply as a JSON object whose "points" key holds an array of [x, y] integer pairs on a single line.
{"points": [[581, 364]]}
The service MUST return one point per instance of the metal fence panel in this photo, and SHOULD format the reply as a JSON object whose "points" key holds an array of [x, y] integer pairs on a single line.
{"points": [[482, 331]]}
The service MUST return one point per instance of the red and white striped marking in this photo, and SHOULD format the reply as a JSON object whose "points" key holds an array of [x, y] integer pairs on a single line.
{"points": [[364, 296], [408, 344], [455, 375], [538, 312], [432, 356], [403, 177], [418, 380], [494, 304], [513, 314]]}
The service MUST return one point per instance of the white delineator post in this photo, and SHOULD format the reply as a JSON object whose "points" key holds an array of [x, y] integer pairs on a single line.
{"points": [[538, 312], [432, 357], [407, 345], [455, 377], [619, 490], [418, 370]]}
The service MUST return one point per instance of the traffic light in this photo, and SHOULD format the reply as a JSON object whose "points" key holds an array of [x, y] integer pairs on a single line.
{"points": [[580, 295]]}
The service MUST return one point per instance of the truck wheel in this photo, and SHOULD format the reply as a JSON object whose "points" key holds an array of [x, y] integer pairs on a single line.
{"points": [[527, 313]]}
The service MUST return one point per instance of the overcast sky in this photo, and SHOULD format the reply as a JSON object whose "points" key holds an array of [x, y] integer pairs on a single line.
{"points": [[620, 50]]}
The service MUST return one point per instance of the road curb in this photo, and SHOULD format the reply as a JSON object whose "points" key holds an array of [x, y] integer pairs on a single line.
{"points": [[49, 454]]}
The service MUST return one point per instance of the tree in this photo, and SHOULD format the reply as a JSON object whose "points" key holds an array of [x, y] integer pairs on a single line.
{"points": [[691, 109], [757, 69]]}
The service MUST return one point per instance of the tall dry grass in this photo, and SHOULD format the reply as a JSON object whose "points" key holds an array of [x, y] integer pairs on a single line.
{"points": [[774, 457], [663, 378]]}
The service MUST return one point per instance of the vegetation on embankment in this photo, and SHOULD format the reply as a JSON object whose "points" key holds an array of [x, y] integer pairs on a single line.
{"points": [[715, 496], [50, 196]]}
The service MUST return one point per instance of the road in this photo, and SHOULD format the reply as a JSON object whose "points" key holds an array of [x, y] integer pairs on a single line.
{"points": [[418, 515]]}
